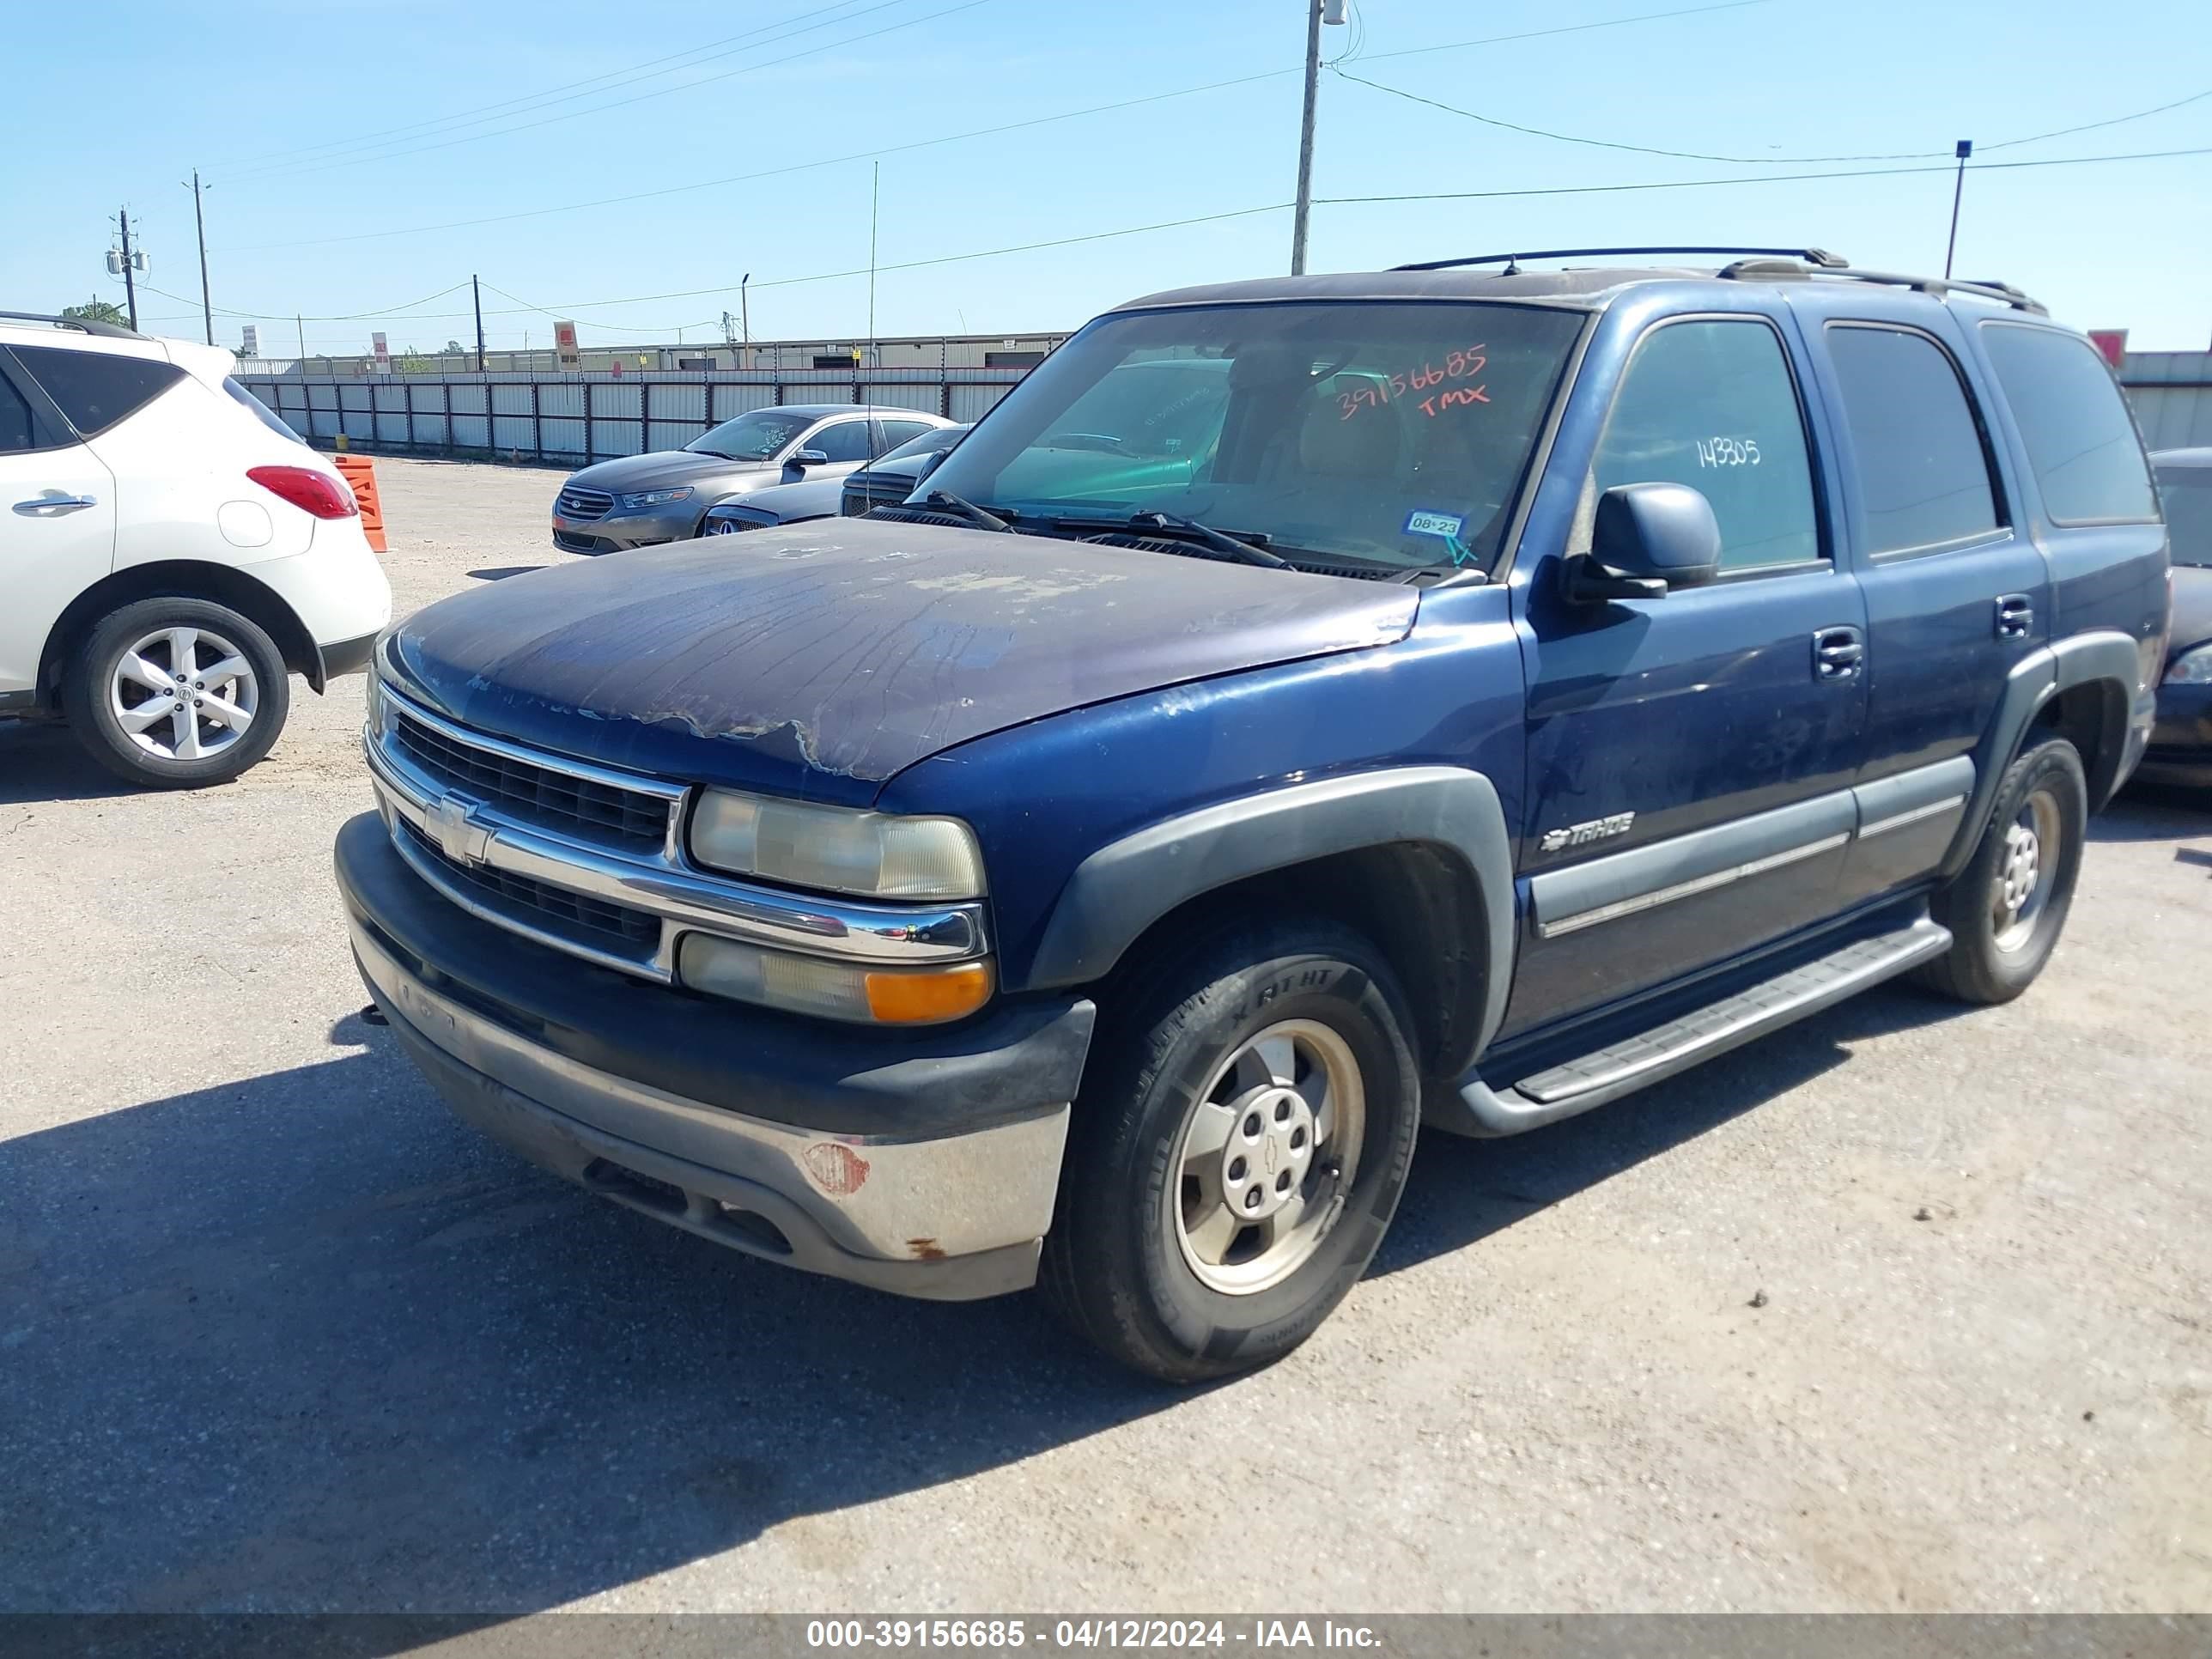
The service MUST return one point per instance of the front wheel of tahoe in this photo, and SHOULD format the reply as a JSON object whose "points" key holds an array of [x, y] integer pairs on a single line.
{"points": [[1237, 1152]]}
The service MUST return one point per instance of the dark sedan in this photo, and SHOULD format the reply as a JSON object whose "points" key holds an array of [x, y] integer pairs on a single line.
{"points": [[2181, 744]]}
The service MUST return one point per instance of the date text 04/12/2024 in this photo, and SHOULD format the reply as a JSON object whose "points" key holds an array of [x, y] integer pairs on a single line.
{"points": [[1006, 1635]]}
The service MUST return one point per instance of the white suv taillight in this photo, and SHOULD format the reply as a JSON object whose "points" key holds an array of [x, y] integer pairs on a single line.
{"points": [[307, 490]]}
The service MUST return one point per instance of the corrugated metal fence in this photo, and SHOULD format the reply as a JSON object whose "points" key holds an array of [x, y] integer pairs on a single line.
{"points": [[589, 417], [2172, 391]]}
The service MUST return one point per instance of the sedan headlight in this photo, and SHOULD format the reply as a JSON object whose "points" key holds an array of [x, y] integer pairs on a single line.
{"points": [[652, 498], [836, 848], [2191, 668]]}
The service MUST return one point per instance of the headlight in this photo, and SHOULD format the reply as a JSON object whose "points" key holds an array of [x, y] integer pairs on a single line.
{"points": [[836, 848], [2191, 668], [652, 498], [833, 990]]}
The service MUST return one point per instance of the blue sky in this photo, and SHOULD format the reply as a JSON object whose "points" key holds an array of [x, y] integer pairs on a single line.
{"points": [[329, 135]]}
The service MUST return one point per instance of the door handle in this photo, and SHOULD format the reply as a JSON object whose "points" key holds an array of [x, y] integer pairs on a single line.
{"points": [[2016, 617], [1838, 652], [38, 504]]}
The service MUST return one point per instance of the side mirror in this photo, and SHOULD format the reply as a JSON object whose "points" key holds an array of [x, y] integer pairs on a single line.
{"points": [[929, 463], [1647, 539], [805, 458]]}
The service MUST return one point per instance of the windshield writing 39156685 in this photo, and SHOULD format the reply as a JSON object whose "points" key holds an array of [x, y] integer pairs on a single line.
{"points": [[1457, 365]]}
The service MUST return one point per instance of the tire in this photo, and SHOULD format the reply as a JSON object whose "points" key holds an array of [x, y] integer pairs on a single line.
{"points": [[1161, 1272], [2002, 935], [113, 681]]}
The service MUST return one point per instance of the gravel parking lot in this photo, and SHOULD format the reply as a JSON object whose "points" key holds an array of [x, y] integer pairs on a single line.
{"points": [[1905, 1308]]}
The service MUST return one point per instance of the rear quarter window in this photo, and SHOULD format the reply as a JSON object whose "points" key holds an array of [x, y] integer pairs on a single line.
{"points": [[2081, 442], [94, 390]]}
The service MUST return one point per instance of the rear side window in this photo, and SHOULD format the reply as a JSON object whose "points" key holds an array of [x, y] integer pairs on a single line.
{"points": [[1713, 406], [2081, 443], [259, 411], [1924, 477], [96, 389]]}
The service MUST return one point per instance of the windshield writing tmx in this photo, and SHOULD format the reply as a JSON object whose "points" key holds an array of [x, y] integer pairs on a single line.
{"points": [[1390, 435]]}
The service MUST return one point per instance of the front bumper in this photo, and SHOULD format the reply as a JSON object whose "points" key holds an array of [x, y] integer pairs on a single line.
{"points": [[923, 1163], [2180, 750], [619, 532]]}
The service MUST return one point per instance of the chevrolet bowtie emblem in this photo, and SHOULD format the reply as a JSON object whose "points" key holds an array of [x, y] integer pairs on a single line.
{"points": [[453, 824]]}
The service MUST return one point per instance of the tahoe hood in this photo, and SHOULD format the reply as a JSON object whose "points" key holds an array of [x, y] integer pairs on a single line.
{"points": [[820, 659]]}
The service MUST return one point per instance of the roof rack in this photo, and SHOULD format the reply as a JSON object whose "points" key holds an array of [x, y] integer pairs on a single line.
{"points": [[1512, 261], [1935, 287], [113, 330]]}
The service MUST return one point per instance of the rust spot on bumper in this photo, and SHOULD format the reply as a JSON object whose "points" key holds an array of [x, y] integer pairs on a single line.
{"points": [[837, 1170], [928, 1249]]}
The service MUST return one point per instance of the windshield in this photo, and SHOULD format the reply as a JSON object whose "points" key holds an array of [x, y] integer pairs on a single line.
{"points": [[2186, 492], [937, 438], [1391, 434], [752, 437]]}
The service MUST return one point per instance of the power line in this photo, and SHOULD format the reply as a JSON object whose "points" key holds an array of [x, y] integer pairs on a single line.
{"points": [[978, 132], [623, 103], [2090, 126], [1607, 144], [1755, 179], [704, 52], [1748, 160]]}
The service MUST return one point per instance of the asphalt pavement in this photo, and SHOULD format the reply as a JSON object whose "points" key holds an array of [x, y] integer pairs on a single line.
{"points": [[1907, 1308]]}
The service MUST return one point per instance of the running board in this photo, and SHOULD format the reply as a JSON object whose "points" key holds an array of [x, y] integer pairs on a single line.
{"points": [[1606, 1075]]}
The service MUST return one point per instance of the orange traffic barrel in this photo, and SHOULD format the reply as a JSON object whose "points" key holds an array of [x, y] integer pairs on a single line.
{"points": [[359, 472]]}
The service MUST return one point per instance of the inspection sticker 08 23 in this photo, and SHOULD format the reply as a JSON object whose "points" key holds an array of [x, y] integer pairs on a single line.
{"points": [[1421, 522]]}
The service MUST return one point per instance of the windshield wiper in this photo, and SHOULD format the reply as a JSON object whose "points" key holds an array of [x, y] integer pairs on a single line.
{"points": [[1250, 548], [967, 509]]}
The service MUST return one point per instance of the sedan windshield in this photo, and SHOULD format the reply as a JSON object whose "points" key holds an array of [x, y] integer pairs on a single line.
{"points": [[937, 438], [1377, 433], [2186, 494], [753, 437]]}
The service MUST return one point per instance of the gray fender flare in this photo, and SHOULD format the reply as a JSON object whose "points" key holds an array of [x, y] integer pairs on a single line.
{"points": [[1127, 885], [2103, 654]]}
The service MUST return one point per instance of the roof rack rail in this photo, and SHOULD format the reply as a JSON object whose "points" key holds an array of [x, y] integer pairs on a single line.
{"points": [[1934, 286], [1512, 261], [113, 330]]}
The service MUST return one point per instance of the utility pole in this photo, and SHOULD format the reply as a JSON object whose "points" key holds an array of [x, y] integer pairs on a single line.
{"points": [[130, 288], [745, 317], [477, 289], [300, 323], [1966, 148], [1317, 13], [199, 224]]}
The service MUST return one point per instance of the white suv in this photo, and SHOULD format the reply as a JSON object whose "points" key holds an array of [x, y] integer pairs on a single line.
{"points": [[170, 553]]}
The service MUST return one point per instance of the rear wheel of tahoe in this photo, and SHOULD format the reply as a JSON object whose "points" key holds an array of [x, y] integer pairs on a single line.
{"points": [[174, 692], [2008, 905], [1239, 1147]]}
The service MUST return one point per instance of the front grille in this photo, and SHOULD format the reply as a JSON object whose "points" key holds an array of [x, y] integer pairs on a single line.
{"points": [[542, 795], [576, 917], [571, 543], [583, 504], [862, 492]]}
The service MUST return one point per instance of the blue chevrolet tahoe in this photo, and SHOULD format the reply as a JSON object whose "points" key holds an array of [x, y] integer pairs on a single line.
{"points": [[1485, 692]]}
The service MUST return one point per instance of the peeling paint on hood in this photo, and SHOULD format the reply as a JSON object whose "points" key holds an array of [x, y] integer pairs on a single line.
{"points": [[819, 658]]}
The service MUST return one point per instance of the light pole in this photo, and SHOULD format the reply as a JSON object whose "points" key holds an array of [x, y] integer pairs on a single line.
{"points": [[1966, 148], [745, 317], [1317, 13]]}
